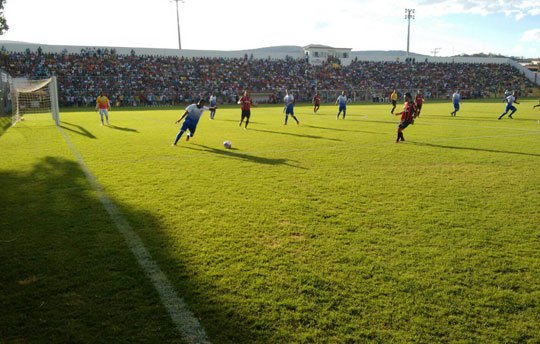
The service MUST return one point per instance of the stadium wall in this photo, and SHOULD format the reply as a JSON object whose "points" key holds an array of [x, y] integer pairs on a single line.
{"points": [[262, 54]]}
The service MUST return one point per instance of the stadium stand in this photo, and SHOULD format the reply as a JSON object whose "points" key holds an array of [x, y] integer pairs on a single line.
{"points": [[131, 79]]}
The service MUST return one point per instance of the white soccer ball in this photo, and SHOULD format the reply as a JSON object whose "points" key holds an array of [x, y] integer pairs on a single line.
{"points": [[227, 144]]}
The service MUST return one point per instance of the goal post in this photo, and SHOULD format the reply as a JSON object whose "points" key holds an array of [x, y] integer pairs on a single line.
{"points": [[34, 96]]}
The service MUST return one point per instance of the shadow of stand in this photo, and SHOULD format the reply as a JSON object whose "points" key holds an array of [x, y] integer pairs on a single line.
{"points": [[64, 262]]}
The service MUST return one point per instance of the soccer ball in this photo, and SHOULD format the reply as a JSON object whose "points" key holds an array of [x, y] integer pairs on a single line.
{"points": [[227, 144]]}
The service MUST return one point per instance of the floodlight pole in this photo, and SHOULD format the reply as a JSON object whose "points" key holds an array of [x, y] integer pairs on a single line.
{"points": [[409, 13], [178, 21]]}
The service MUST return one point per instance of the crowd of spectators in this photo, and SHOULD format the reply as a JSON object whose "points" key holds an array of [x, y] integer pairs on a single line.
{"points": [[158, 80]]}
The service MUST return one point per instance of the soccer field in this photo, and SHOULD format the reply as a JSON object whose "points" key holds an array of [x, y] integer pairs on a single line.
{"points": [[323, 232]]}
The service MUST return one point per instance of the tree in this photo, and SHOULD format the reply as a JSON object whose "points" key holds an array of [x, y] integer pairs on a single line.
{"points": [[3, 23]]}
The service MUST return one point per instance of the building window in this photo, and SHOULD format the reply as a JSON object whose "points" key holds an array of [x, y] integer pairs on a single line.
{"points": [[345, 55], [316, 53]]}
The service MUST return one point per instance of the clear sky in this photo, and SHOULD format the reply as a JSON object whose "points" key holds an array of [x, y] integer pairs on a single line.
{"points": [[510, 27]]}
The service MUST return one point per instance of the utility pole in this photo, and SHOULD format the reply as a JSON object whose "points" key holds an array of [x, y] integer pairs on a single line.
{"points": [[435, 51], [178, 21], [409, 13]]}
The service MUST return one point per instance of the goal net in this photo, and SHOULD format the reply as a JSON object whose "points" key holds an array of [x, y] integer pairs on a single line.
{"points": [[34, 96]]}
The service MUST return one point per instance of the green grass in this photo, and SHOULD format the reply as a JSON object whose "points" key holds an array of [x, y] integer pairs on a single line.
{"points": [[326, 232]]}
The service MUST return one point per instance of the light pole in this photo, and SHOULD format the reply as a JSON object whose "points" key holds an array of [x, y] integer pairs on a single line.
{"points": [[178, 21], [409, 13]]}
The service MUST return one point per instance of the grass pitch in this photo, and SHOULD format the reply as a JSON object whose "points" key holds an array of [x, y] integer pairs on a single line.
{"points": [[325, 232]]}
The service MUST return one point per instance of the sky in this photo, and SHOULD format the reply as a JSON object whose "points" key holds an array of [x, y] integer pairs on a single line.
{"points": [[508, 27]]}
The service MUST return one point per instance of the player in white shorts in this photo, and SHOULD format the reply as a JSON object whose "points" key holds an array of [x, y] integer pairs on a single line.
{"points": [[104, 105]]}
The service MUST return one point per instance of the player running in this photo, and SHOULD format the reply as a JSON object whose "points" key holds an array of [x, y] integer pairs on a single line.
{"points": [[247, 103], [104, 106], [538, 105], [418, 101], [212, 101], [407, 116], [456, 99], [342, 100], [393, 98], [506, 95], [316, 102], [192, 115], [509, 101], [289, 107]]}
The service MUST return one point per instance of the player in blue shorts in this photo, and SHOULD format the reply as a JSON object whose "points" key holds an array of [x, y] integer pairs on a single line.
{"points": [[456, 99], [342, 101], [192, 115], [289, 107], [509, 107]]}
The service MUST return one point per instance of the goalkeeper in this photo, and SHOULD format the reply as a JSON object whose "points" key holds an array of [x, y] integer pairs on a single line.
{"points": [[104, 105]]}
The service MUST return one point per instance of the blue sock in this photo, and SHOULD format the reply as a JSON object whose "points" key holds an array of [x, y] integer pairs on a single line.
{"points": [[286, 118], [344, 112], [294, 118], [178, 136]]}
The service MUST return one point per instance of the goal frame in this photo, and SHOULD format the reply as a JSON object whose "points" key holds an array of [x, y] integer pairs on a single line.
{"points": [[52, 86]]}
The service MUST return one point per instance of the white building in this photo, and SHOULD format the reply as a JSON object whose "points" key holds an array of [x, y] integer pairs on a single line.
{"points": [[317, 54]]}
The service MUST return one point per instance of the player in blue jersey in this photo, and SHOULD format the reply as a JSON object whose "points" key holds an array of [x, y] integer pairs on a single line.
{"points": [[456, 99], [506, 95], [511, 99], [289, 107], [192, 115], [342, 101], [213, 101]]}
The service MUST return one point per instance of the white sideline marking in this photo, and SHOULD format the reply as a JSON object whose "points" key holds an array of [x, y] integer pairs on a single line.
{"points": [[185, 322]]}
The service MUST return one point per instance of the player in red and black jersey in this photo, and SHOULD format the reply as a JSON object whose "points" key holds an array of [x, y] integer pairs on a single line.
{"points": [[316, 102], [419, 100], [246, 103], [407, 116]]}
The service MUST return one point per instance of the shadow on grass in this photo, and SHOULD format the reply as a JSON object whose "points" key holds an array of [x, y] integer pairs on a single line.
{"points": [[296, 135], [68, 275], [5, 123], [77, 129], [348, 130], [475, 118], [367, 120], [472, 149], [232, 120], [123, 128], [243, 156]]}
